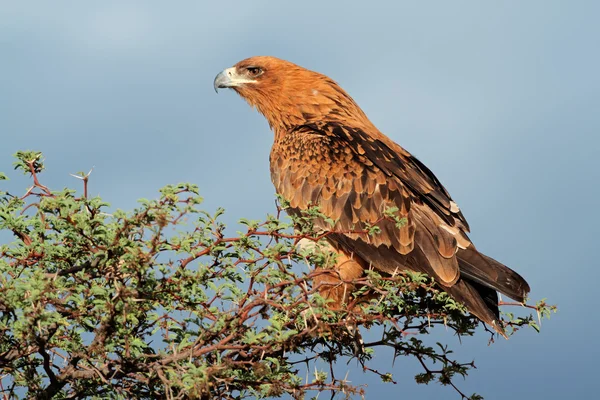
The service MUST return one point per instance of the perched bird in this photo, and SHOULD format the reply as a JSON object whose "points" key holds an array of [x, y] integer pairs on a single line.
{"points": [[327, 153]]}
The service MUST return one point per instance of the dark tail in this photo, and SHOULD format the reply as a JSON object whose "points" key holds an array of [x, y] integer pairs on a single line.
{"points": [[481, 278], [480, 301], [477, 267]]}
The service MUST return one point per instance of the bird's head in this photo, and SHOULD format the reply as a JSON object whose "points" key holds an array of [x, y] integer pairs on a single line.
{"points": [[288, 94]]}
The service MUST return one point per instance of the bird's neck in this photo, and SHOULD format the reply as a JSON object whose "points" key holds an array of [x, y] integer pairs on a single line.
{"points": [[286, 120], [287, 108]]}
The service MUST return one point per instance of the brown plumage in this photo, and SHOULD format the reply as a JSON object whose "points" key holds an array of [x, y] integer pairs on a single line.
{"points": [[327, 153]]}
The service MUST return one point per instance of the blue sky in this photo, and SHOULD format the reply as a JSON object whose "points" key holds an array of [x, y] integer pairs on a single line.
{"points": [[500, 100]]}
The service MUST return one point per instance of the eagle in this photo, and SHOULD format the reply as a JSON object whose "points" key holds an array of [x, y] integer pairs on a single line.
{"points": [[327, 153]]}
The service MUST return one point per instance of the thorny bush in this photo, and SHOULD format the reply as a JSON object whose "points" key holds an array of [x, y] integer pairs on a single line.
{"points": [[161, 303]]}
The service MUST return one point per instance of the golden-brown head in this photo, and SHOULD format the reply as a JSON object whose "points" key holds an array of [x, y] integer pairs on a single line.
{"points": [[288, 94]]}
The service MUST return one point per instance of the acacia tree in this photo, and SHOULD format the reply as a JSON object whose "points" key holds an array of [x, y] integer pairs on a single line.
{"points": [[160, 302]]}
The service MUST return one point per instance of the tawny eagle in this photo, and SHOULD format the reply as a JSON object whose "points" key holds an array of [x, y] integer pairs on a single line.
{"points": [[327, 153]]}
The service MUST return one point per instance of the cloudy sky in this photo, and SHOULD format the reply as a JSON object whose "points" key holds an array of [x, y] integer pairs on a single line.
{"points": [[500, 100]]}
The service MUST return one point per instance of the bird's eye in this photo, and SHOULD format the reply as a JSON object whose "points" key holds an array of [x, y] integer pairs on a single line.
{"points": [[254, 71]]}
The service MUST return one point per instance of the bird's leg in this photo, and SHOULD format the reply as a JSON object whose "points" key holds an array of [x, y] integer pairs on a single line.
{"points": [[335, 283]]}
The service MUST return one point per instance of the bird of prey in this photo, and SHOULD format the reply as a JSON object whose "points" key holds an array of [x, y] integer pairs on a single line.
{"points": [[327, 153]]}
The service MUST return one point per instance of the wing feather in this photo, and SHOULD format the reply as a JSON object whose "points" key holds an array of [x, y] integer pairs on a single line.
{"points": [[354, 184]]}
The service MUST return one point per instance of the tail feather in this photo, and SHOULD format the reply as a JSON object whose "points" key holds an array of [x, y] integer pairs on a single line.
{"points": [[488, 272], [480, 301]]}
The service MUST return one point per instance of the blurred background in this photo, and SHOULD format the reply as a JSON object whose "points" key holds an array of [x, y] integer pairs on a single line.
{"points": [[500, 100]]}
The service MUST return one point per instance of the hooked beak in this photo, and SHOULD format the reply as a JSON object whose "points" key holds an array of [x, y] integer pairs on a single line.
{"points": [[229, 78]]}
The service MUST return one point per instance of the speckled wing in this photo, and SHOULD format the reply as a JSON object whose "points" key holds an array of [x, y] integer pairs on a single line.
{"points": [[353, 178]]}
